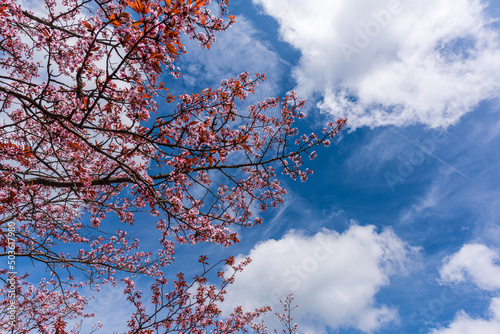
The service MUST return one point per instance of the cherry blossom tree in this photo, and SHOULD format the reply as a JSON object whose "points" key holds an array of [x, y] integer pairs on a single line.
{"points": [[84, 144], [286, 319]]}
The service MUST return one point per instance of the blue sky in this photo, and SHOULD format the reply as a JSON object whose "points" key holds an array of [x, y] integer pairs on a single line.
{"points": [[398, 229]]}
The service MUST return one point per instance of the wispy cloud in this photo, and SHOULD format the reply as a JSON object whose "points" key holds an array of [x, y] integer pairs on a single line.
{"points": [[111, 308], [393, 62], [239, 49], [468, 181]]}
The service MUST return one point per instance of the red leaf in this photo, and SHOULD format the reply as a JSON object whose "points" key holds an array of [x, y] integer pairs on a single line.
{"points": [[158, 56], [136, 24], [156, 67], [234, 239], [113, 19], [171, 49], [86, 24], [140, 7]]}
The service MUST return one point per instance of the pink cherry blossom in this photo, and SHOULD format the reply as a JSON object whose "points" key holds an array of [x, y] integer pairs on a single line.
{"points": [[83, 141]]}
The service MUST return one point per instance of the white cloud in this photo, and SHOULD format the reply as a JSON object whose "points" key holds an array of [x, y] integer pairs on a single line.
{"points": [[396, 62], [465, 324], [474, 262], [334, 277], [477, 263], [428, 202], [110, 307]]}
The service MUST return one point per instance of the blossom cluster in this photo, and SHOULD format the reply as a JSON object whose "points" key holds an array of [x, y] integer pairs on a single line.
{"points": [[83, 143]]}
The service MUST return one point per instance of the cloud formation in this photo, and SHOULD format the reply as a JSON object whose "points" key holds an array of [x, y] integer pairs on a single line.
{"points": [[334, 277], [474, 262], [479, 264], [392, 62], [465, 324]]}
